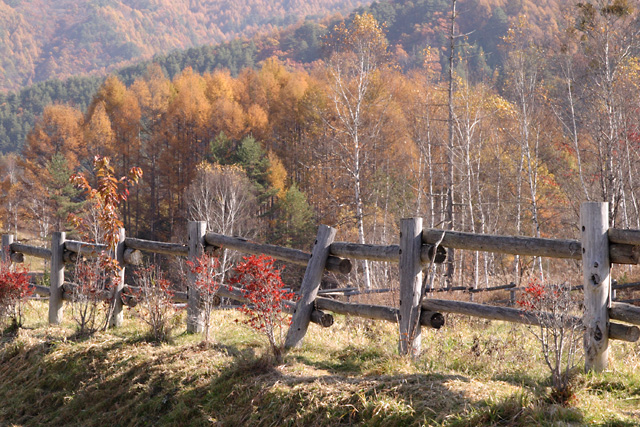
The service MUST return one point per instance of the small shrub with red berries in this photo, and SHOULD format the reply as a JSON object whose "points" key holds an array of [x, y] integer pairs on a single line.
{"points": [[261, 284], [14, 291]]}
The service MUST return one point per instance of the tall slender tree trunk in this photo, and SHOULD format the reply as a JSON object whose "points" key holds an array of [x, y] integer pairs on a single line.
{"points": [[449, 213]]}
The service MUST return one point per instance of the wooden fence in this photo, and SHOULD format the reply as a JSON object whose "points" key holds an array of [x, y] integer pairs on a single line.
{"points": [[418, 250]]}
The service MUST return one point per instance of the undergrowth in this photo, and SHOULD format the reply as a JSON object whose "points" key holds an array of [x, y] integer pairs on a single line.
{"points": [[470, 373]]}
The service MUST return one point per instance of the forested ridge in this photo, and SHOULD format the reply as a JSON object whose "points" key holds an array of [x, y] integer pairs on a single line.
{"points": [[368, 132], [44, 39], [410, 28]]}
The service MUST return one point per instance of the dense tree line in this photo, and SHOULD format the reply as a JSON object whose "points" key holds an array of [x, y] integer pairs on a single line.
{"points": [[358, 142], [415, 30]]}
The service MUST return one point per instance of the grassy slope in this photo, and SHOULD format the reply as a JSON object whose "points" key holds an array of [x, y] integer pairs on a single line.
{"points": [[471, 373]]}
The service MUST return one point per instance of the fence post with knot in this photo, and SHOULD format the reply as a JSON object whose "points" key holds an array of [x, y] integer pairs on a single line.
{"points": [[410, 268], [117, 317], [594, 225], [197, 231]]}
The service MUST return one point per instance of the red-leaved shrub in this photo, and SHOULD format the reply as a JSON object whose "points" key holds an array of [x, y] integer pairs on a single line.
{"points": [[261, 284], [14, 290]]}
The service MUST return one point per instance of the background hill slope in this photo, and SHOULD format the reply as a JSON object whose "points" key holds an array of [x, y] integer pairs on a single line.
{"points": [[43, 39]]}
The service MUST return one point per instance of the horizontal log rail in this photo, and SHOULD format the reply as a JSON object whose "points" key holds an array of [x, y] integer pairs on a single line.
{"points": [[630, 301], [377, 312], [175, 249], [40, 290], [617, 331], [531, 246], [625, 312], [448, 289], [627, 237], [510, 286], [353, 291], [494, 288], [323, 319], [384, 253], [73, 248], [368, 292], [626, 286], [294, 256], [34, 251], [336, 291], [90, 250], [130, 298]]}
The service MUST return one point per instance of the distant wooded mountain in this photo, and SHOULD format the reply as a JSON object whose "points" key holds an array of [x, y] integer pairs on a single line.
{"points": [[411, 27], [44, 39]]}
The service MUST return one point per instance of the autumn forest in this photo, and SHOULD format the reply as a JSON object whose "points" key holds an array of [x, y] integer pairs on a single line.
{"points": [[362, 133]]}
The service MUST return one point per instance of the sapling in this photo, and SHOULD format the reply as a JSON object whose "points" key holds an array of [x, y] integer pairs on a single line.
{"points": [[559, 332], [88, 288], [261, 284], [209, 276], [94, 277]]}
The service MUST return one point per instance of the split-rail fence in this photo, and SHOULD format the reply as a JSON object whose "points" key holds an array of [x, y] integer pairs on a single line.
{"points": [[416, 252]]}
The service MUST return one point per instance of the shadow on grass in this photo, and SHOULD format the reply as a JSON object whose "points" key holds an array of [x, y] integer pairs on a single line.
{"points": [[130, 382], [518, 378], [351, 359]]}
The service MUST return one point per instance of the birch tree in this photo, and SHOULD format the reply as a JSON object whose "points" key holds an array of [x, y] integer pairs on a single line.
{"points": [[608, 37], [357, 101], [222, 196]]}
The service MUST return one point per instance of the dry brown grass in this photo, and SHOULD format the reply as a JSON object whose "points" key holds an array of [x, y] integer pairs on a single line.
{"points": [[471, 373]]}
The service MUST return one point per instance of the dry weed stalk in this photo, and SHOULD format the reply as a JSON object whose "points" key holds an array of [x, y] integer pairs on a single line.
{"points": [[156, 307]]}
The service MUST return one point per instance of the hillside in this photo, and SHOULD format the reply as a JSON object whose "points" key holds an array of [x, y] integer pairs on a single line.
{"points": [[410, 27], [44, 39], [349, 374]]}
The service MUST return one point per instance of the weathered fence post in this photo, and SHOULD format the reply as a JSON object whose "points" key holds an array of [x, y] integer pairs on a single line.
{"points": [[309, 288], [197, 231], [117, 317], [57, 277], [7, 240], [410, 286], [594, 222]]}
